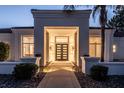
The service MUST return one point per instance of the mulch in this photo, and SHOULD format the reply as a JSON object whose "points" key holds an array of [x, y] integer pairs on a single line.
{"points": [[111, 82], [8, 81]]}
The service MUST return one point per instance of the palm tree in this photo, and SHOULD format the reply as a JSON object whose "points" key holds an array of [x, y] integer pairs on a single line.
{"points": [[69, 9], [100, 10]]}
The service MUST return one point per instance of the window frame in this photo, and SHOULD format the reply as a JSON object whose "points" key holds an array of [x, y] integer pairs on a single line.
{"points": [[22, 46], [95, 44], [67, 37]]}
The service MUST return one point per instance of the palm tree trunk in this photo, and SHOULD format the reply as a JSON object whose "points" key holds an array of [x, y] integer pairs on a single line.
{"points": [[103, 43]]}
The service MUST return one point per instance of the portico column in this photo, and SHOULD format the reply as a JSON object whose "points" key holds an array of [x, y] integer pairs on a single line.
{"points": [[39, 38], [108, 46], [83, 39]]}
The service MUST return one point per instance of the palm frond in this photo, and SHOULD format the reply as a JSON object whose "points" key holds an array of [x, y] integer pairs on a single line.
{"points": [[95, 10], [119, 7], [69, 7], [103, 16]]}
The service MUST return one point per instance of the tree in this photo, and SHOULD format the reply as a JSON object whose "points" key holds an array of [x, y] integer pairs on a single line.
{"points": [[117, 21], [101, 10], [69, 9], [4, 51]]}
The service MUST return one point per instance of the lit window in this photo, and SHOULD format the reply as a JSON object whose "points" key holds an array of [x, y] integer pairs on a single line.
{"points": [[95, 46], [27, 46], [114, 48], [61, 39]]}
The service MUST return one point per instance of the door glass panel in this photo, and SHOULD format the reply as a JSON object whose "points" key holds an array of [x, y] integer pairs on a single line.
{"points": [[61, 52]]}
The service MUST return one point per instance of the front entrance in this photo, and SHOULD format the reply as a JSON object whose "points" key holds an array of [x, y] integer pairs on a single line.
{"points": [[61, 52], [61, 44], [51, 23]]}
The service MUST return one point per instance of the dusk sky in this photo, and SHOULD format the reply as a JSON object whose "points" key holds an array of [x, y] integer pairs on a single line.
{"points": [[17, 16]]}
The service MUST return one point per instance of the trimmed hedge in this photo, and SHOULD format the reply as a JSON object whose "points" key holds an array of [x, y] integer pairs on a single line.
{"points": [[4, 51], [25, 70], [99, 72]]}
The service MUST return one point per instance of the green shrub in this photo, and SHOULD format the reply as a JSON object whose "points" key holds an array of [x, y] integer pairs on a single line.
{"points": [[99, 72], [25, 70], [4, 51]]}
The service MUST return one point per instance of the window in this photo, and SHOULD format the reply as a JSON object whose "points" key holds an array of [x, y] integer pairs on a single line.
{"points": [[95, 46], [27, 46], [62, 39]]}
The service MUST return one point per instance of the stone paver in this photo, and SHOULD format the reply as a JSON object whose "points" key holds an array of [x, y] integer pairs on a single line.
{"points": [[60, 75]]}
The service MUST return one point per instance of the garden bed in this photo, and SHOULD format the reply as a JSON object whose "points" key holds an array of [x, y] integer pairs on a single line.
{"points": [[112, 81], [8, 81]]}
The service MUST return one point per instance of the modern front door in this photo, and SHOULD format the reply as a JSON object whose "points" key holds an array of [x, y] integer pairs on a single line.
{"points": [[61, 52]]}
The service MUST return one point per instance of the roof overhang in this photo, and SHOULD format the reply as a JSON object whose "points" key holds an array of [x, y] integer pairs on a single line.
{"points": [[6, 30], [59, 13]]}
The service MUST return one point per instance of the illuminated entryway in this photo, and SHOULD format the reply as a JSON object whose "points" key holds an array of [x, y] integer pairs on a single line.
{"points": [[61, 44], [49, 24]]}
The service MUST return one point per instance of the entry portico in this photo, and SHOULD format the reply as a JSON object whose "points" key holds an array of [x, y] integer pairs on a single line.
{"points": [[52, 27]]}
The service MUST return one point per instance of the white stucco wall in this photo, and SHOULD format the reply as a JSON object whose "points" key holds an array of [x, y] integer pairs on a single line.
{"points": [[16, 41], [8, 67], [119, 42], [5, 37], [108, 54], [114, 68]]}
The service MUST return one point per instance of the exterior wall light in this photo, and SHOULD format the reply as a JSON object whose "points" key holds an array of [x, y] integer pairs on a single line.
{"points": [[114, 48]]}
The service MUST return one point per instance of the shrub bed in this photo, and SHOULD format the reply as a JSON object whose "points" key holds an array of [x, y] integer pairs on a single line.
{"points": [[25, 70], [99, 72]]}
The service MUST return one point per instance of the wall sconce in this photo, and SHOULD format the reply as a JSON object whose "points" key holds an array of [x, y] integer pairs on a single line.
{"points": [[114, 48], [50, 47], [73, 48]]}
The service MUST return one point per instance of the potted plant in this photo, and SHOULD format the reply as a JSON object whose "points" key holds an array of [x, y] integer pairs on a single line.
{"points": [[86, 55], [38, 55]]}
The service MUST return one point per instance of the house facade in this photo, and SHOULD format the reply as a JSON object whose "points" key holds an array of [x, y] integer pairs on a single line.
{"points": [[58, 36]]}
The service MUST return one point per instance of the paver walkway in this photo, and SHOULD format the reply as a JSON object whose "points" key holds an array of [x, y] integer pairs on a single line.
{"points": [[60, 75]]}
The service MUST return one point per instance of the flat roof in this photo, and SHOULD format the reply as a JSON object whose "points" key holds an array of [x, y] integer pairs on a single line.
{"points": [[32, 27], [25, 27], [9, 30], [58, 11], [98, 28], [5, 30]]}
